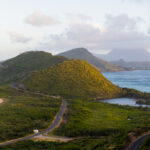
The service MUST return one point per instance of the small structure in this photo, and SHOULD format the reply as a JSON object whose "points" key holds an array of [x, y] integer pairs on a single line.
{"points": [[35, 131], [129, 118]]}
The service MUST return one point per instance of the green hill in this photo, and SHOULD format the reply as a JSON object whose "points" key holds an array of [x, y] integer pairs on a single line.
{"points": [[74, 78], [84, 54], [19, 66]]}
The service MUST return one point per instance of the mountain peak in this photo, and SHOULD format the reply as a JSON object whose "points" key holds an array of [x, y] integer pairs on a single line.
{"points": [[84, 54], [76, 52]]}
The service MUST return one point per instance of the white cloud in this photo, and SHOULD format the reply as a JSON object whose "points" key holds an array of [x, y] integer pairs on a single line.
{"points": [[135, 0], [39, 19], [120, 33], [83, 17], [121, 22], [19, 37]]}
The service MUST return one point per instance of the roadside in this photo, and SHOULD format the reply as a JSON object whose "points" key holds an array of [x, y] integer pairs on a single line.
{"points": [[137, 142], [52, 126]]}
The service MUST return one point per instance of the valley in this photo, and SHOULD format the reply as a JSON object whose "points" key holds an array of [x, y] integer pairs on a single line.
{"points": [[74, 75], [81, 121]]}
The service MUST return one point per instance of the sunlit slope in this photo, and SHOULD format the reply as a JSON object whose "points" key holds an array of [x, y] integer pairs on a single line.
{"points": [[74, 78]]}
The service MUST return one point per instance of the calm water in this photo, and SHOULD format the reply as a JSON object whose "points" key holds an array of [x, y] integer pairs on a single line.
{"points": [[139, 79], [124, 101]]}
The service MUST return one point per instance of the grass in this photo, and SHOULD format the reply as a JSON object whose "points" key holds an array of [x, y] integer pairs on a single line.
{"points": [[97, 126], [22, 113], [101, 119], [20, 66], [95, 143]]}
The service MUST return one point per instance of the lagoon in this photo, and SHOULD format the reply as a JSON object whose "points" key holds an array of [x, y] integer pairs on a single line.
{"points": [[124, 101]]}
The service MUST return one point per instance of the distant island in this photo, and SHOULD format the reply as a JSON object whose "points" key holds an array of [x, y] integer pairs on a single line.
{"points": [[129, 55], [134, 65]]}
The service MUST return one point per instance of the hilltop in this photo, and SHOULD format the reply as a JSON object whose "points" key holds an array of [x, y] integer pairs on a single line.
{"points": [[18, 67], [84, 54], [72, 79]]}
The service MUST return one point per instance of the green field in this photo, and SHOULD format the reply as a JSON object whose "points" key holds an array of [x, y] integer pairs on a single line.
{"points": [[107, 143], [98, 126], [21, 113], [101, 119], [19, 67]]}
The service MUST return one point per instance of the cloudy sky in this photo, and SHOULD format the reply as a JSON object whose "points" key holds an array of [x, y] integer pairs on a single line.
{"points": [[59, 25]]}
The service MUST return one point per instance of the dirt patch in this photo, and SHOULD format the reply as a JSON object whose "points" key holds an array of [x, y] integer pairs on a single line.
{"points": [[1, 100]]}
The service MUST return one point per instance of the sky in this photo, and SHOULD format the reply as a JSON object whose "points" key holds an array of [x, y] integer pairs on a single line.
{"points": [[59, 25]]}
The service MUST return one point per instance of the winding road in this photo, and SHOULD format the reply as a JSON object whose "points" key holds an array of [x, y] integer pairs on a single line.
{"points": [[133, 146], [54, 124], [136, 144]]}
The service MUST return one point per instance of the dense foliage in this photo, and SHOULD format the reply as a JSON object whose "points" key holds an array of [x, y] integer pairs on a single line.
{"points": [[18, 67], [75, 78], [21, 113], [100, 126], [142, 97], [84, 54], [94, 143], [101, 119], [146, 144]]}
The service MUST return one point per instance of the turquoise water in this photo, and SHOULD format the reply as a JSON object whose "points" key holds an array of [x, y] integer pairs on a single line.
{"points": [[139, 79]]}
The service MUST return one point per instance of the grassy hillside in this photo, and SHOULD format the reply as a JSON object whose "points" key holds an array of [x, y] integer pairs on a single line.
{"points": [[101, 119], [84, 54], [21, 113], [74, 78], [18, 67], [100, 126], [94, 143]]}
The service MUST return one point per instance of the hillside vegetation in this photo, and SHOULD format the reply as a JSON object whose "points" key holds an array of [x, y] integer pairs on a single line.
{"points": [[21, 113], [84, 54], [86, 118], [18, 67], [74, 78]]}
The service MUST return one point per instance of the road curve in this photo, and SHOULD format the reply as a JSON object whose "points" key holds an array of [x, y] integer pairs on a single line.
{"points": [[54, 124], [136, 144]]}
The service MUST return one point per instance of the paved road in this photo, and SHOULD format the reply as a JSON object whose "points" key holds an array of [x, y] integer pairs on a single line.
{"points": [[54, 124], [136, 145], [16, 87]]}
